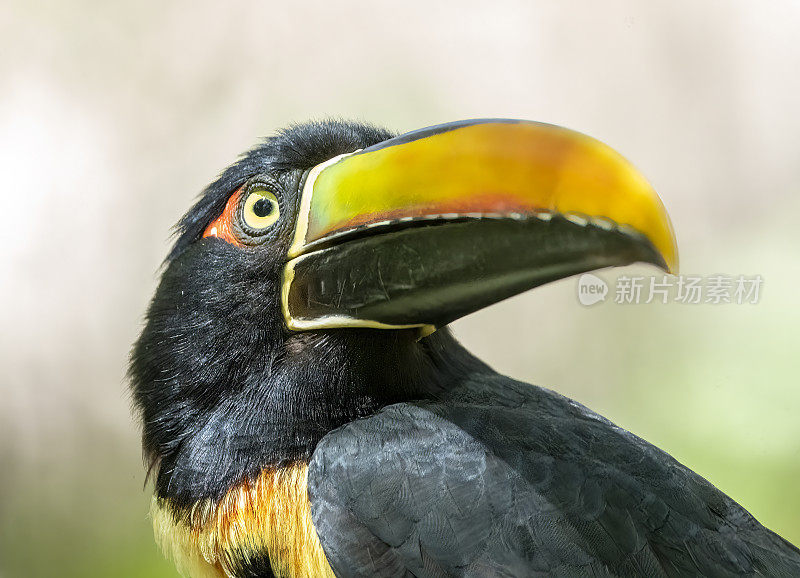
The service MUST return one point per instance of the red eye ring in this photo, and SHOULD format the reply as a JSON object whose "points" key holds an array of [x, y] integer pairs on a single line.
{"points": [[222, 227]]}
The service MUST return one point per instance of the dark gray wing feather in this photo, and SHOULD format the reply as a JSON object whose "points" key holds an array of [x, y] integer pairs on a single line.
{"points": [[508, 479]]}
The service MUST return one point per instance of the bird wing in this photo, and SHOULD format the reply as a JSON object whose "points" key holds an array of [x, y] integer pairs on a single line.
{"points": [[508, 479]]}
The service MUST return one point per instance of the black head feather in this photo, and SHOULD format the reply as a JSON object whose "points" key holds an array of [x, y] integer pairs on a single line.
{"points": [[297, 148], [224, 389]]}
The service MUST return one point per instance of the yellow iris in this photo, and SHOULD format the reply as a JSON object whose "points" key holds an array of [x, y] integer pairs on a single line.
{"points": [[260, 209]]}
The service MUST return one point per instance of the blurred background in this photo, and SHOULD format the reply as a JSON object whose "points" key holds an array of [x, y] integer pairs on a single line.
{"points": [[113, 117]]}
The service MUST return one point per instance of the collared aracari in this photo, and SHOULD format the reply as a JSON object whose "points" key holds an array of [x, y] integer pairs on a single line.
{"points": [[306, 411]]}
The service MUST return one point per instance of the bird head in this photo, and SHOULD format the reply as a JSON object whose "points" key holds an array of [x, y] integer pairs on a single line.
{"points": [[313, 281]]}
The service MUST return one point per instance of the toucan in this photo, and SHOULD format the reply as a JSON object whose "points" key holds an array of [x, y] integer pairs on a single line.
{"points": [[306, 411]]}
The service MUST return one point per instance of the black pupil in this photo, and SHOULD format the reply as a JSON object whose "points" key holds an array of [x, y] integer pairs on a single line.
{"points": [[263, 207]]}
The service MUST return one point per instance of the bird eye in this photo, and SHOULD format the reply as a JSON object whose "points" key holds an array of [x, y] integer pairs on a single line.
{"points": [[260, 210]]}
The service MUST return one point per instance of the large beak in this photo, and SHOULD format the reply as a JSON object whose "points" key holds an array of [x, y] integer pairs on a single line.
{"points": [[427, 227]]}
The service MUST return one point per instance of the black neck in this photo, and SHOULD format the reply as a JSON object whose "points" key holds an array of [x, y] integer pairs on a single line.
{"points": [[276, 411]]}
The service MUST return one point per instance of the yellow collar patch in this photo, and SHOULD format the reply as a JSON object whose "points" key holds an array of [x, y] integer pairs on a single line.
{"points": [[268, 517]]}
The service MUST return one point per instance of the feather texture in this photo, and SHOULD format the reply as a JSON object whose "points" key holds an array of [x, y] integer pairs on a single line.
{"points": [[256, 528], [507, 479]]}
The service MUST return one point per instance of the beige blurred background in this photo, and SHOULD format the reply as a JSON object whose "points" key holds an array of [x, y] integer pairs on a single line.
{"points": [[113, 116]]}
